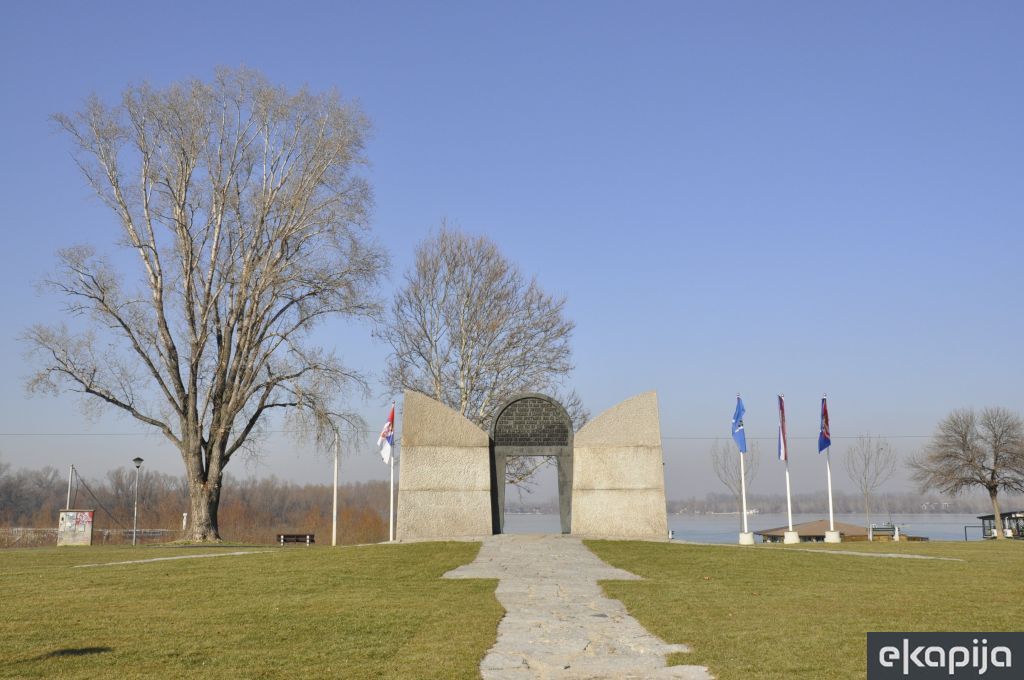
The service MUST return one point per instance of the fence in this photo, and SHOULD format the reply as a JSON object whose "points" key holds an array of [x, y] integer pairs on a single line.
{"points": [[19, 537]]}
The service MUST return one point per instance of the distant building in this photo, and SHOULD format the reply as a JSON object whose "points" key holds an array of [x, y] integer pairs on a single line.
{"points": [[1013, 524]]}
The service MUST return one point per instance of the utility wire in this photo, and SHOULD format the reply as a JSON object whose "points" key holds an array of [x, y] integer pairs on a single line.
{"points": [[151, 434], [773, 437], [99, 503], [367, 431]]}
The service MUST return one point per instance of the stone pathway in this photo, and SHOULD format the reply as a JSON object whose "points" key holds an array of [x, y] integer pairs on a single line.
{"points": [[558, 623]]}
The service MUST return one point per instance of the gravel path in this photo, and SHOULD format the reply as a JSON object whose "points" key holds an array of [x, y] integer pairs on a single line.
{"points": [[558, 623]]}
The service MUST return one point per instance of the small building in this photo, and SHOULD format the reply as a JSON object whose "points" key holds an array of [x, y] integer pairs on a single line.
{"points": [[814, 532], [1013, 524]]}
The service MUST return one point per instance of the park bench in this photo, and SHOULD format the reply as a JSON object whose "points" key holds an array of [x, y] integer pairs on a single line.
{"points": [[886, 530], [308, 539]]}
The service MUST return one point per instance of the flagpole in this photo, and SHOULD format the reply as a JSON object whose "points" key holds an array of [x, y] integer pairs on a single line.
{"points": [[789, 501], [825, 437], [743, 492], [789, 536], [391, 499], [334, 513], [828, 471], [746, 538]]}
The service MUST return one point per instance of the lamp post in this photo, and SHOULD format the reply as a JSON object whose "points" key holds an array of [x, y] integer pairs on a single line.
{"points": [[135, 520]]}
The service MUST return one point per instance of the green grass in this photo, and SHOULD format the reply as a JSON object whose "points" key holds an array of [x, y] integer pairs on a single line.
{"points": [[384, 612], [771, 612], [354, 612]]}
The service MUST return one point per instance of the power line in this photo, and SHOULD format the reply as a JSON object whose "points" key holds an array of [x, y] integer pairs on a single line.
{"points": [[147, 434], [99, 503], [773, 437], [367, 431]]}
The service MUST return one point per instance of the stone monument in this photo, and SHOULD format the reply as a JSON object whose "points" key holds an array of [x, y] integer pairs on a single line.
{"points": [[452, 474]]}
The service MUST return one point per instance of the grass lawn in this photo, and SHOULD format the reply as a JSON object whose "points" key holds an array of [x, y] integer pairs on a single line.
{"points": [[353, 612], [773, 612]]}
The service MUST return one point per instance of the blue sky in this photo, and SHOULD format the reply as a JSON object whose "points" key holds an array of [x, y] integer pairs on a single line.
{"points": [[758, 197]]}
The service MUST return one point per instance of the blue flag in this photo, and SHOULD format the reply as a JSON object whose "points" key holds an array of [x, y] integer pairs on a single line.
{"points": [[737, 426]]}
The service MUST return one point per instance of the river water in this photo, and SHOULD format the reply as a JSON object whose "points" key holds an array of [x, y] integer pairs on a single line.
{"points": [[725, 528]]}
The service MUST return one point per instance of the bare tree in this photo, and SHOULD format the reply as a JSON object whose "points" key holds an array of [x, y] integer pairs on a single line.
{"points": [[239, 204], [870, 462], [970, 449], [726, 460], [468, 330]]}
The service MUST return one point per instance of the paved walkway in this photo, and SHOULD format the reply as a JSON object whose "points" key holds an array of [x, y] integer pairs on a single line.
{"points": [[558, 623]]}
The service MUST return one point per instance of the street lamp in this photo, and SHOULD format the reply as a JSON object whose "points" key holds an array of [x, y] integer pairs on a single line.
{"points": [[135, 520]]}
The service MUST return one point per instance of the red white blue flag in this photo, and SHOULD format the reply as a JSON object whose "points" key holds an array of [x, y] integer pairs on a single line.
{"points": [[387, 436], [824, 436], [783, 450]]}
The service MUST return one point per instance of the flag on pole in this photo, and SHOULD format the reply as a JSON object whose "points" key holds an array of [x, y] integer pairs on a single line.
{"points": [[737, 426], [824, 437], [783, 451], [387, 436]]}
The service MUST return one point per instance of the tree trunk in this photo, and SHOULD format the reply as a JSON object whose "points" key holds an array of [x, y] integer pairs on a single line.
{"points": [[205, 498], [995, 510], [867, 516]]}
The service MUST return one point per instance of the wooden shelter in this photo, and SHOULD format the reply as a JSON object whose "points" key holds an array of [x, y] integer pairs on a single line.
{"points": [[814, 532]]}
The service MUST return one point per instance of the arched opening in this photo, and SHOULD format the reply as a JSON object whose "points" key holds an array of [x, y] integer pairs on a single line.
{"points": [[533, 508], [531, 425]]}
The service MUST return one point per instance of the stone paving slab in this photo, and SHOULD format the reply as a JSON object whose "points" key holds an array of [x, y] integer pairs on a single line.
{"points": [[558, 623]]}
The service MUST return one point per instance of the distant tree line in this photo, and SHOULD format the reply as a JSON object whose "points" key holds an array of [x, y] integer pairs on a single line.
{"points": [[253, 510]]}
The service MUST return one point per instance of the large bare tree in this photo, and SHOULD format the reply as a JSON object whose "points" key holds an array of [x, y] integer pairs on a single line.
{"points": [[870, 462], [245, 226], [972, 449], [726, 462], [470, 331]]}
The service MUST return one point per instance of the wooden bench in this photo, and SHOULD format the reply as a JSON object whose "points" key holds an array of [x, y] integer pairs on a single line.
{"points": [[308, 539], [884, 533]]}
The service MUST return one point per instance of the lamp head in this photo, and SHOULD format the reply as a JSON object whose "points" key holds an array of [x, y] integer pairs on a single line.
{"points": [[138, 462]]}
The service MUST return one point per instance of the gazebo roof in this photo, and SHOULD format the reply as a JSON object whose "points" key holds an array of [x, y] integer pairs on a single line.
{"points": [[1004, 515]]}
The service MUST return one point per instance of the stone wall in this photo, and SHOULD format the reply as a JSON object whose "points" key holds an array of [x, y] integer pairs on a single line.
{"points": [[618, 487], [444, 484]]}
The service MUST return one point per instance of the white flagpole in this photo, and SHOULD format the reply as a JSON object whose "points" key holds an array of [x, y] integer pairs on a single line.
{"points": [[334, 514], [391, 498], [828, 471], [789, 501], [743, 492], [784, 454], [831, 536]]}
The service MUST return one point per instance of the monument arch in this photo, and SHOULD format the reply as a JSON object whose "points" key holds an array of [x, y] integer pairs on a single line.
{"points": [[531, 424], [611, 478]]}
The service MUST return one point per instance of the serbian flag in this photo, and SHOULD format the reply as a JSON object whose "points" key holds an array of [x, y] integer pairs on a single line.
{"points": [[387, 436], [738, 434], [824, 437], [783, 451]]}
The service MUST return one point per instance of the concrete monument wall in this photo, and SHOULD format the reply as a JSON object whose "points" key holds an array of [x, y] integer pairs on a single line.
{"points": [[444, 484], [618, 481]]}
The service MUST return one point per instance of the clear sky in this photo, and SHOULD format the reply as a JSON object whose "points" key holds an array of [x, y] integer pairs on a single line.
{"points": [[795, 197]]}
